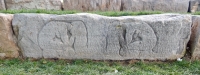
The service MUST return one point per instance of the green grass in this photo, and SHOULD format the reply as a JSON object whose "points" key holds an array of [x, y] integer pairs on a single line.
{"points": [[88, 67], [196, 13], [126, 13], [106, 13]]}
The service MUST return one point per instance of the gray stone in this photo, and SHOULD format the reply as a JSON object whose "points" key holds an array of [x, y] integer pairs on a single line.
{"points": [[137, 5], [33, 4], [2, 5], [155, 5], [92, 5], [90, 36]]}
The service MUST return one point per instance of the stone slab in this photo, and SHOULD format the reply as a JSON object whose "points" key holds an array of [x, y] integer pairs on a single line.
{"points": [[90, 36]]}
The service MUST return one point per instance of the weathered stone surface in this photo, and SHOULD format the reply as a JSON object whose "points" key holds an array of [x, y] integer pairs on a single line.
{"points": [[155, 5], [92, 5], [33, 4], [127, 5], [89, 36], [137, 5], [8, 46], [194, 6], [194, 42], [2, 5]]}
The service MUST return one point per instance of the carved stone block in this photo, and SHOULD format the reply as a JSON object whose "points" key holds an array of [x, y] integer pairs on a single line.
{"points": [[90, 36]]}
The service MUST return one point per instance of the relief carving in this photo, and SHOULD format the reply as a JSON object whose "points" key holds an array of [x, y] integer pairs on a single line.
{"points": [[63, 36]]}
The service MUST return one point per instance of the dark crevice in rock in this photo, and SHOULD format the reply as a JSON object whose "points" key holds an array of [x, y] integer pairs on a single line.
{"points": [[190, 44], [122, 6], [5, 3], [189, 7], [106, 43], [62, 5], [69, 34], [188, 53], [15, 30], [73, 45], [124, 35]]}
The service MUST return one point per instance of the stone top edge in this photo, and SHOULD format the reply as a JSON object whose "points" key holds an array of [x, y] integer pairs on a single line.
{"points": [[164, 14], [151, 17], [98, 14]]}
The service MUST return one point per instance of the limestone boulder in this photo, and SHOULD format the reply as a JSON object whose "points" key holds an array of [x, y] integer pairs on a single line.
{"points": [[90, 36], [155, 5], [92, 5], [8, 47], [33, 4], [2, 5]]}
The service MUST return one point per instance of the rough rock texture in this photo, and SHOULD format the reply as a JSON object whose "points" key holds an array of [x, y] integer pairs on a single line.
{"points": [[137, 5], [8, 47], [33, 4], [193, 5], [194, 42], [92, 5], [2, 5], [90, 36], [127, 5], [155, 5]]}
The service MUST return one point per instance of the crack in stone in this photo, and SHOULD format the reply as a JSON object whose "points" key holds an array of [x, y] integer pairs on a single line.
{"points": [[73, 46], [106, 43], [69, 34], [122, 6]]}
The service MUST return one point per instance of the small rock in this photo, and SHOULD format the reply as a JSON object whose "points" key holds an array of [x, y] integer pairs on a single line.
{"points": [[2, 55], [116, 70], [179, 59]]}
